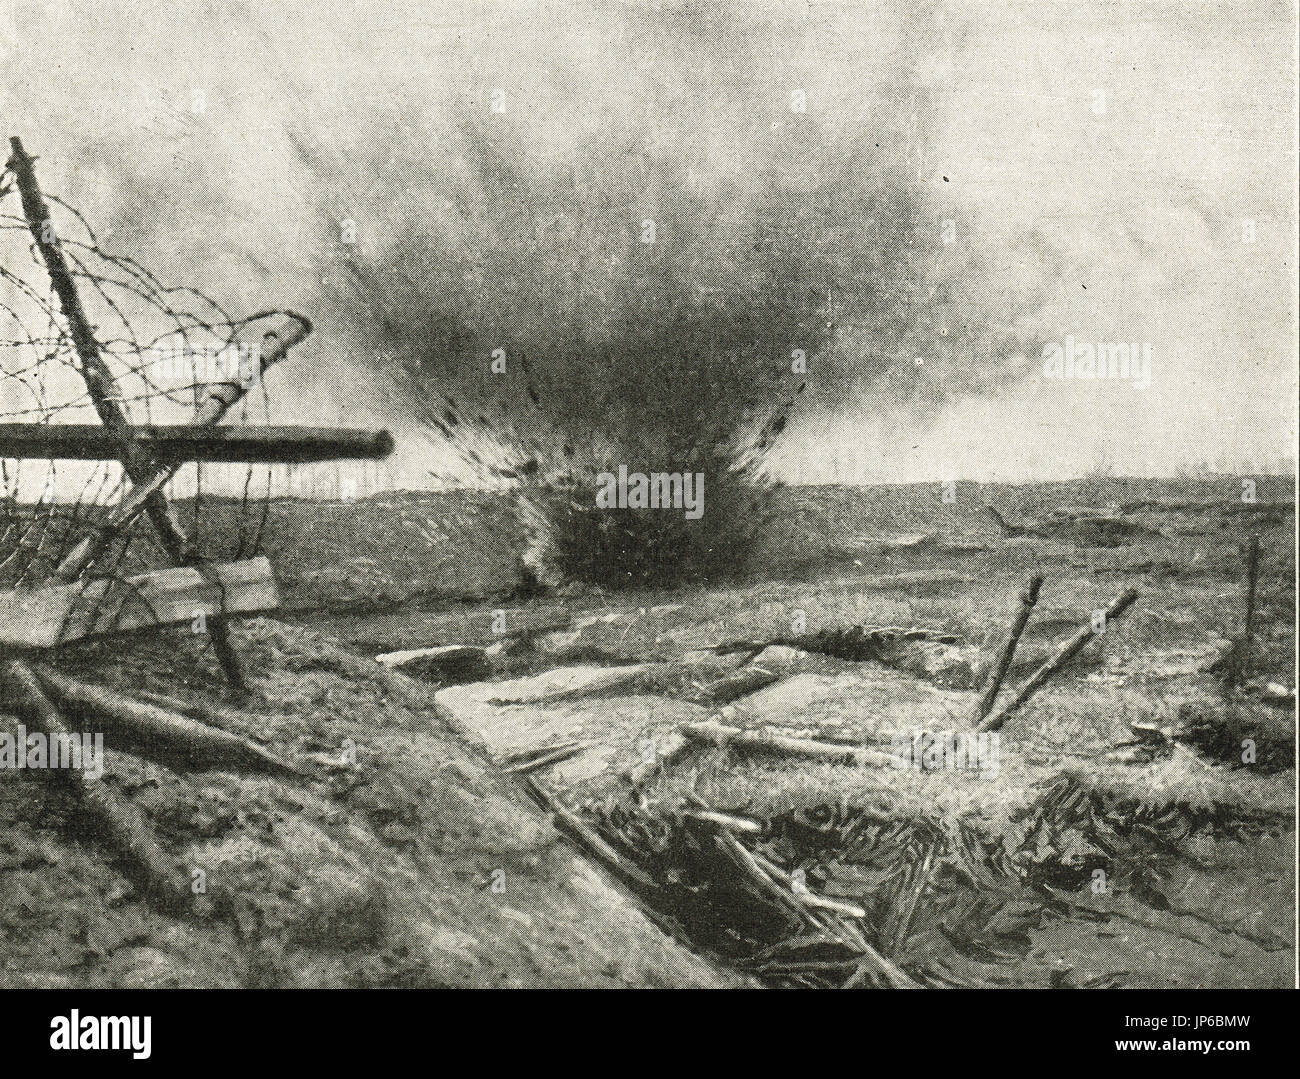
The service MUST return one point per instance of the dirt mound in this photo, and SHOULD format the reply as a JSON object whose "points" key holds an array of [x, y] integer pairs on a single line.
{"points": [[399, 858]]}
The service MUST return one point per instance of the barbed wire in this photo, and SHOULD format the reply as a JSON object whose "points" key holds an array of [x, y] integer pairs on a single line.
{"points": [[163, 345]]}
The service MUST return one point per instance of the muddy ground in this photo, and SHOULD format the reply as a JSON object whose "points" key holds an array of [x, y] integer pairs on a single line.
{"points": [[1078, 861]]}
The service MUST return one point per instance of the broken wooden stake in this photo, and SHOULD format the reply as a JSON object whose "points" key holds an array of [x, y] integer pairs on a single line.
{"points": [[1066, 652], [720, 735], [1241, 666], [1028, 598]]}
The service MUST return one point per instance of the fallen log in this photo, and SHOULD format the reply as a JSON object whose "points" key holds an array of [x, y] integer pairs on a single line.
{"points": [[185, 442], [115, 822], [150, 731], [1062, 656], [209, 715], [45, 617], [1028, 598], [720, 735]]}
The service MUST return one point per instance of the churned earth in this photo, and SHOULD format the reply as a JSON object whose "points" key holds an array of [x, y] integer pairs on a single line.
{"points": [[1080, 853]]}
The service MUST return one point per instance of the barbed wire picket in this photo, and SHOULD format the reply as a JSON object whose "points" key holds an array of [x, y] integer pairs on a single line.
{"points": [[164, 346]]}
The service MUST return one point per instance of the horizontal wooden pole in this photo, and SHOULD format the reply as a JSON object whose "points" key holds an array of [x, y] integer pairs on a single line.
{"points": [[186, 442], [44, 617]]}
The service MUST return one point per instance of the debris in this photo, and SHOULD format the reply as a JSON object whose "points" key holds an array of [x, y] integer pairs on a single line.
{"points": [[448, 664], [558, 684], [719, 734], [1236, 735], [732, 686], [1028, 598], [571, 825], [1066, 652]]}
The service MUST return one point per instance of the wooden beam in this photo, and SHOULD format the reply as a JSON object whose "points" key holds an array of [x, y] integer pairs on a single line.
{"points": [[44, 617], [184, 442]]}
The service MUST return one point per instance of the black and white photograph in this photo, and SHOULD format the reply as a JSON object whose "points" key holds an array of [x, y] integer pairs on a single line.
{"points": [[661, 494]]}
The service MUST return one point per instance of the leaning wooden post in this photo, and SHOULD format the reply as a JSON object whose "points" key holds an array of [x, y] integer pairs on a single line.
{"points": [[1028, 598], [147, 477], [1066, 652], [221, 397], [102, 388]]}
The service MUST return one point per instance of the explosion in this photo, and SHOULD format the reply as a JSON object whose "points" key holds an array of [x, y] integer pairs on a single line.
{"points": [[665, 302]]}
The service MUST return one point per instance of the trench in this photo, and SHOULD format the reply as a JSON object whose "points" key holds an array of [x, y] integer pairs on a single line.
{"points": [[957, 902]]}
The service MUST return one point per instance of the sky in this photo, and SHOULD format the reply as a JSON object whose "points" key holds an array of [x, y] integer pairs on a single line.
{"points": [[1129, 165]]}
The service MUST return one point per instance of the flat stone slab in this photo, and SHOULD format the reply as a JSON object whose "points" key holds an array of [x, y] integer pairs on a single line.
{"points": [[864, 704], [549, 709]]}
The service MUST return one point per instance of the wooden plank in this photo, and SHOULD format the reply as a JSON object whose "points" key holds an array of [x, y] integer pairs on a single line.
{"points": [[185, 442], [44, 617]]}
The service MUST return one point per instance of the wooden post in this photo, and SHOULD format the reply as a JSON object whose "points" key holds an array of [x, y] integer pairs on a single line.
{"points": [[1241, 669], [103, 391], [1028, 598]]}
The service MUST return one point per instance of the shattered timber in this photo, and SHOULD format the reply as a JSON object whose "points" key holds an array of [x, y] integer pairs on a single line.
{"points": [[481, 728]]}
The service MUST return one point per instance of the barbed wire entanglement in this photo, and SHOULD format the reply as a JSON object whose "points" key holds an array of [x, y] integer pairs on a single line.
{"points": [[164, 347]]}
